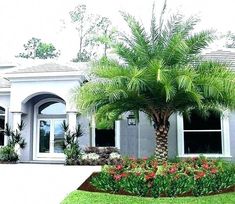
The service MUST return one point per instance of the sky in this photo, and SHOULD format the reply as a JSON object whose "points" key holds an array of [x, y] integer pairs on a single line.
{"points": [[49, 19]]}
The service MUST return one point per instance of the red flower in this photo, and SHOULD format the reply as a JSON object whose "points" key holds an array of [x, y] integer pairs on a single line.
{"points": [[123, 175], [200, 174], [205, 166], [172, 170], [119, 167], [117, 177], [214, 170], [150, 176], [138, 174], [145, 158]]}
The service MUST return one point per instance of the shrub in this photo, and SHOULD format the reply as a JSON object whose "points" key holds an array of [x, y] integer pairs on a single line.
{"points": [[197, 176], [105, 182], [8, 154], [100, 156], [71, 144], [14, 137]]}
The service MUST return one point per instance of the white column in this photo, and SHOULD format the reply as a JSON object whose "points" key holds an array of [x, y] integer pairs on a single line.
{"points": [[72, 120], [180, 135], [93, 131], [117, 133], [16, 119]]}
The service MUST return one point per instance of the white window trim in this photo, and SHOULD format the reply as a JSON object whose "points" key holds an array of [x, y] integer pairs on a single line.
{"points": [[5, 121], [117, 132], [225, 137], [36, 156]]}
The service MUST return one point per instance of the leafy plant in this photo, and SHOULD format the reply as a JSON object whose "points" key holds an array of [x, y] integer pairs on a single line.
{"points": [[14, 136], [105, 182], [8, 154], [71, 144]]}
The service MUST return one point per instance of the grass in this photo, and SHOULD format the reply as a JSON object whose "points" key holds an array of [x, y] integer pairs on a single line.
{"points": [[78, 197]]}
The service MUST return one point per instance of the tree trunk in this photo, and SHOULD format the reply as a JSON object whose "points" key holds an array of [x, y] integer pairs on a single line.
{"points": [[161, 151]]}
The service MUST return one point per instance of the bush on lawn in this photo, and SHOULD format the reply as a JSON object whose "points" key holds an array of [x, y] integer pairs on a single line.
{"points": [[144, 177]]}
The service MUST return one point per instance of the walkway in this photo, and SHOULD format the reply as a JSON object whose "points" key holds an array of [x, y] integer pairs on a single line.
{"points": [[40, 183]]}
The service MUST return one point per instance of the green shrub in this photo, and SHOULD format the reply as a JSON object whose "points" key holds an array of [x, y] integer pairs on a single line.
{"points": [[8, 154], [72, 149], [134, 184], [105, 182]]}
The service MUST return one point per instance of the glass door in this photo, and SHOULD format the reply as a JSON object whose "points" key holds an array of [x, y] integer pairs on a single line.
{"points": [[50, 138]]}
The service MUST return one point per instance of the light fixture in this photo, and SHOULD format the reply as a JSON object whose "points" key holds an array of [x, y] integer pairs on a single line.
{"points": [[131, 119]]}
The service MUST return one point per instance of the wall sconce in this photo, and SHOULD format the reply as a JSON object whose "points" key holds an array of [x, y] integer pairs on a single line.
{"points": [[131, 119]]}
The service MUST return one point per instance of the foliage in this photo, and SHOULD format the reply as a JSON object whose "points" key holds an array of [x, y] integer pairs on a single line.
{"points": [[14, 136], [89, 26], [106, 198], [8, 154], [100, 156], [158, 73], [71, 143], [36, 49], [197, 176]]}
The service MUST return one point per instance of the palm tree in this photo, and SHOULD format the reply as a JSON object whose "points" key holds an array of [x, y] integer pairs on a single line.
{"points": [[159, 73]]}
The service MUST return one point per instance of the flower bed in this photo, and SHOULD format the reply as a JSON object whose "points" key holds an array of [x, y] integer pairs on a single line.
{"points": [[144, 177]]}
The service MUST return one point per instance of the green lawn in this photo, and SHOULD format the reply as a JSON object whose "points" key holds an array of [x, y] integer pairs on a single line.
{"points": [[82, 197]]}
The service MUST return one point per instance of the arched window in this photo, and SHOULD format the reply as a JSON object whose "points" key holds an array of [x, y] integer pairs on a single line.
{"points": [[2, 125], [52, 108]]}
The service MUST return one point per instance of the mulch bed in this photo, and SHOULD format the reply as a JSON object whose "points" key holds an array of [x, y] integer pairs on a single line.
{"points": [[87, 186]]}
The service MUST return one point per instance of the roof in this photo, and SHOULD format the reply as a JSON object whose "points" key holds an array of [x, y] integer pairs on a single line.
{"points": [[223, 56], [44, 68]]}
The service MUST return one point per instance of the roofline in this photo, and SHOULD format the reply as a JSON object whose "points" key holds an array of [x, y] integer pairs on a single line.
{"points": [[43, 75]]}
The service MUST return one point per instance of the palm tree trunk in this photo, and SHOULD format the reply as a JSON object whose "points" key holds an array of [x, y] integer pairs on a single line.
{"points": [[161, 151]]}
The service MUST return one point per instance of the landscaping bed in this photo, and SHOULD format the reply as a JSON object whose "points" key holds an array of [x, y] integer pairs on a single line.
{"points": [[144, 177], [87, 186]]}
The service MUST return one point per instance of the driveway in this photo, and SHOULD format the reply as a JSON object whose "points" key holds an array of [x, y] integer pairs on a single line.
{"points": [[40, 183]]}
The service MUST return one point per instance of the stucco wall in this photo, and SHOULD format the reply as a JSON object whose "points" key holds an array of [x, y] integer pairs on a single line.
{"points": [[139, 140], [128, 139]]}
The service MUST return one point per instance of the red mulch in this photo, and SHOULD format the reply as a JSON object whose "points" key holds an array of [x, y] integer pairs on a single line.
{"points": [[87, 186]]}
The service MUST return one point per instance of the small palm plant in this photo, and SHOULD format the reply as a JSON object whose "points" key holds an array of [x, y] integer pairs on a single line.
{"points": [[15, 142], [15, 137], [71, 143]]}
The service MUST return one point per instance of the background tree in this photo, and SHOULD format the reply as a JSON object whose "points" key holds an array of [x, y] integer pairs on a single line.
{"points": [[107, 35], [159, 73], [230, 40], [35, 48], [89, 26]]}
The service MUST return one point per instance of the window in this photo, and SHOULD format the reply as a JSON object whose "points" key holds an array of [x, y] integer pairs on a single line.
{"points": [[52, 108], [104, 137], [202, 135], [2, 125], [207, 136]]}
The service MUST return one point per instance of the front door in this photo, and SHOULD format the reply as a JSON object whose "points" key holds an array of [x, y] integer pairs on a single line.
{"points": [[50, 138]]}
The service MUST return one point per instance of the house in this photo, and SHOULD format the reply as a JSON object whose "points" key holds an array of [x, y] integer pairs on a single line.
{"points": [[40, 94]]}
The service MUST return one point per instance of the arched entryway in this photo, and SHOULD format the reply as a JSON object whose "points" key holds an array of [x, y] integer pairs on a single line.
{"points": [[49, 115]]}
